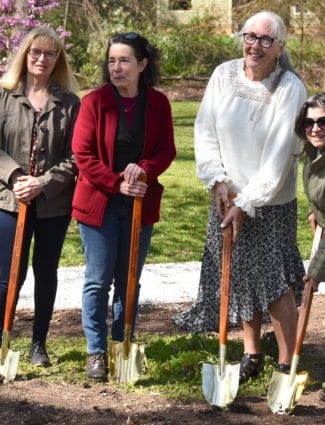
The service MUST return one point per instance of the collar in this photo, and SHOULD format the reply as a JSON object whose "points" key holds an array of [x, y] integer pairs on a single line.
{"points": [[108, 99]]}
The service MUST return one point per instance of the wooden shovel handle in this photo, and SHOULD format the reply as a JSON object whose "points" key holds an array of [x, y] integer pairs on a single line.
{"points": [[306, 302], [133, 259], [15, 267], [225, 279]]}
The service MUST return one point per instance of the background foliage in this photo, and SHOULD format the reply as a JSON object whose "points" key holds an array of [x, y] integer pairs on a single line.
{"points": [[191, 50]]}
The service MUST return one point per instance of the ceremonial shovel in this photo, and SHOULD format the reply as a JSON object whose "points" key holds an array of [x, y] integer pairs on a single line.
{"points": [[220, 381], [127, 359], [8, 358], [285, 389]]}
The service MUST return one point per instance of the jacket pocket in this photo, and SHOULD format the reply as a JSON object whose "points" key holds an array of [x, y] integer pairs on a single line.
{"points": [[86, 196], [151, 203]]}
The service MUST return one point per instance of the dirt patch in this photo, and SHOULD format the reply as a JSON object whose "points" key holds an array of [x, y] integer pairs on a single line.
{"points": [[34, 402]]}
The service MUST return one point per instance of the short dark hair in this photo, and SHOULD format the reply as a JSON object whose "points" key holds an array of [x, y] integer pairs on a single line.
{"points": [[315, 101], [142, 49]]}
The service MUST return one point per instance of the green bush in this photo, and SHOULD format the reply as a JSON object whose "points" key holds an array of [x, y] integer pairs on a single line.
{"points": [[194, 52], [308, 58]]}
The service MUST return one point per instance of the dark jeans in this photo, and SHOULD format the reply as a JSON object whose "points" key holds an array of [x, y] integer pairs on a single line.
{"points": [[106, 251], [49, 234]]}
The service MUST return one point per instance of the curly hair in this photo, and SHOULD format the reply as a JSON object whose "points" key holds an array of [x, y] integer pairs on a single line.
{"points": [[142, 49], [315, 101]]}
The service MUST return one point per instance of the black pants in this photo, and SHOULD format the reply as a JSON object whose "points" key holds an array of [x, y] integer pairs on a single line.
{"points": [[49, 234]]}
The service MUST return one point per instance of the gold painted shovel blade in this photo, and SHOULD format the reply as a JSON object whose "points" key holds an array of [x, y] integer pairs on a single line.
{"points": [[126, 369], [220, 390], [8, 360], [285, 390]]}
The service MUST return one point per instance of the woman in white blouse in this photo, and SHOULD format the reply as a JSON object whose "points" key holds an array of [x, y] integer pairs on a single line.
{"points": [[245, 144]]}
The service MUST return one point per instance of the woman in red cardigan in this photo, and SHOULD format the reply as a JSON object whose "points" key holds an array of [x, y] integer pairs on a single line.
{"points": [[124, 129]]}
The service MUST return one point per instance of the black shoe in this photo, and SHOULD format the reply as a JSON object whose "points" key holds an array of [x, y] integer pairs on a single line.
{"points": [[97, 366], [38, 354], [250, 365], [285, 368]]}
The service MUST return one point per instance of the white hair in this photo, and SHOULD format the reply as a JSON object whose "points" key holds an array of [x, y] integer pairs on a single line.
{"points": [[277, 24]]}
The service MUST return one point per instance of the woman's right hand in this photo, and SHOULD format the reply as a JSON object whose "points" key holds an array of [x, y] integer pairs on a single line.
{"points": [[137, 188]]}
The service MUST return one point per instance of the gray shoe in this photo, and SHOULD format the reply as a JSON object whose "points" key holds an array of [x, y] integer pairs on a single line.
{"points": [[38, 354], [97, 366]]}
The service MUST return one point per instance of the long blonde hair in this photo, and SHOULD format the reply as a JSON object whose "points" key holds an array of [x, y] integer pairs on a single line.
{"points": [[14, 77]]}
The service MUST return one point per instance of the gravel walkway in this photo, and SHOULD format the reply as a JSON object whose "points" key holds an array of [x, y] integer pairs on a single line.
{"points": [[167, 283]]}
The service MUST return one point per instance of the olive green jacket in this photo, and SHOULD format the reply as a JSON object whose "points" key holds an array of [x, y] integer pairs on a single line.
{"points": [[56, 169], [314, 185]]}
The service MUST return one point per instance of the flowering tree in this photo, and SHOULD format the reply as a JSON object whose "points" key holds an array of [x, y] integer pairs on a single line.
{"points": [[17, 17]]}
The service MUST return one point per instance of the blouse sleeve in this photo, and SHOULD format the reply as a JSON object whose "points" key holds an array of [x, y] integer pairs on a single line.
{"points": [[279, 150], [209, 166]]}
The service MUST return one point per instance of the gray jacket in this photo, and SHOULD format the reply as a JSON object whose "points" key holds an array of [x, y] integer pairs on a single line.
{"points": [[314, 185], [56, 169]]}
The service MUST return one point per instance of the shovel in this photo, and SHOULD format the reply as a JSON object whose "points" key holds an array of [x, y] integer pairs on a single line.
{"points": [[286, 389], [127, 359], [8, 358], [220, 382]]}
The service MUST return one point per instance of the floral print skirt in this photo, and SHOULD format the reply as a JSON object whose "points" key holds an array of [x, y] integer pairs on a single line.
{"points": [[265, 264]]}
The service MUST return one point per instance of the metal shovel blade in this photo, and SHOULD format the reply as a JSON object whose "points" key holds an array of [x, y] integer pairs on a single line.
{"points": [[220, 387], [126, 369], [285, 390], [8, 360]]}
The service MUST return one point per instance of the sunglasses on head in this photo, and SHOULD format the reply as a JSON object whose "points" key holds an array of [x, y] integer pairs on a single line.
{"points": [[124, 36], [308, 123]]}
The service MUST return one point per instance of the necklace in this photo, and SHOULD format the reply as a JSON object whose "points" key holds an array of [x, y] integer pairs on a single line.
{"points": [[128, 103]]}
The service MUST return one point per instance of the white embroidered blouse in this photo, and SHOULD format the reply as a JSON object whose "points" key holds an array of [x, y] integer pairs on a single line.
{"points": [[245, 137]]}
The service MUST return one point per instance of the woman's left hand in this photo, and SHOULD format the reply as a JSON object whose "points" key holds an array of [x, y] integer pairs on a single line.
{"points": [[132, 173], [27, 188]]}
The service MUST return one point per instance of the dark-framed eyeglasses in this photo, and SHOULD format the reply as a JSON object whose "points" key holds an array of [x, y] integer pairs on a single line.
{"points": [[48, 54], [265, 40], [308, 123], [124, 36]]}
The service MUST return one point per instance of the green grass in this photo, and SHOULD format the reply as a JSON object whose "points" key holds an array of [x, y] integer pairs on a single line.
{"points": [[174, 364], [179, 235]]}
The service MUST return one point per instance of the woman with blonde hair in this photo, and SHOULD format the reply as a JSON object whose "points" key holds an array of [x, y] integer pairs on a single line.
{"points": [[38, 109]]}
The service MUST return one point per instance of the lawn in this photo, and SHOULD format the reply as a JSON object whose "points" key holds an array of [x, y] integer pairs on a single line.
{"points": [[179, 235]]}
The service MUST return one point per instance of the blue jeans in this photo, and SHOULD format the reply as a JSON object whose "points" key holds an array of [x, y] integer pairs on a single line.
{"points": [[49, 234], [106, 251]]}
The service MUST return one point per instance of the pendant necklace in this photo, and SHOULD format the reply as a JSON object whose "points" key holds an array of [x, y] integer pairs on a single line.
{"points": [[128, 103]]}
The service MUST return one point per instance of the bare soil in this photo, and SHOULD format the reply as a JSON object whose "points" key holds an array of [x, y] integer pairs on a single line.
{"points": [[34, 402]]}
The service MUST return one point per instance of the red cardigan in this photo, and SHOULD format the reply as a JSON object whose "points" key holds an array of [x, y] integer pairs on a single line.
{"points": [[93, 148]]}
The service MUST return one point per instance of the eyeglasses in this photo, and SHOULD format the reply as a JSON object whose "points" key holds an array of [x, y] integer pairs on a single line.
{"points": [[308, 123], [265, 40], [48, 54], [124, 36]]}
